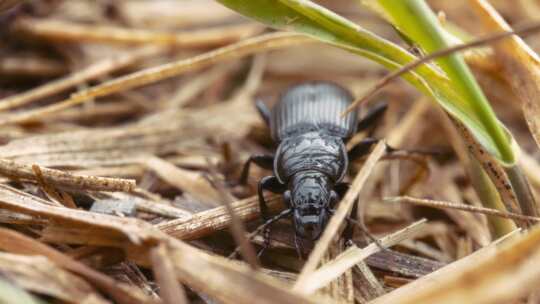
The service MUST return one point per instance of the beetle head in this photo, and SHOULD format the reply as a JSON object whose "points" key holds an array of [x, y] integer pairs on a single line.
{"points": [[311, 195]]}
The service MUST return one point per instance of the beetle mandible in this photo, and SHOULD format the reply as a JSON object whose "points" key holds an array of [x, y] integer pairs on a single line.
{"points": [[311, 160]]}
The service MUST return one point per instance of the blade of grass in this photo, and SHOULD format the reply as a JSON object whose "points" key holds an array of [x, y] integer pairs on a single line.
{"points": [[307, 17], [481, 182], [418, 22], [521, 64], [416, 19], [488, 39], [522, 68]]}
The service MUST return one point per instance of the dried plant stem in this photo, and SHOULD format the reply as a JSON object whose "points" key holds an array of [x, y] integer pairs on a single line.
{"points": [[524, 31], [237, 226], [8, 4], [93, 71], [59, 30], [493, 274], [154, 74], [521, 65], [31, 66], [481, 182], [227, 281], [354, 255], [192, 182], [19, 201], [50, 191], [171, 291], [463, 207], [66, 180], [495, 171], [206, 222], [338, 218], [18, 243], [10, 293]]}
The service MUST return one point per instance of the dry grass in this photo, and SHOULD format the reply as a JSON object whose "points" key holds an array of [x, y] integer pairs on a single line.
{"points": [[124, 123]]}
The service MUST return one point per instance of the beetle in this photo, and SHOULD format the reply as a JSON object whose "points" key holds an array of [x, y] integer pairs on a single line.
{"points": [[311, 159]]}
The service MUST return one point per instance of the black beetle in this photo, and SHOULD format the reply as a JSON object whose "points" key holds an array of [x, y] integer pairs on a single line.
{"points": [[311, 160]]}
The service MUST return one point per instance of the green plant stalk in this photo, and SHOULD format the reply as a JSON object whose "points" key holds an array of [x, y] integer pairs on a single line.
{"points": [[522, 189], [306, 17], [490, 198], [321, 24], [416, 19]]}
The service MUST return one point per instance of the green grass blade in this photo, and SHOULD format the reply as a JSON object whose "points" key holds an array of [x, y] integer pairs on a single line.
{"points": [[417, 21], [311, 19]]}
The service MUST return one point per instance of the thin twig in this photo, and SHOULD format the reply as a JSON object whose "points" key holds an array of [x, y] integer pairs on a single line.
{"points": [[353, 255], [206, 222], [64, 179], [524, 31], [462, 207], [170, 290], [53, 195], [60, 30], [15, 242], [93, 71], [154, 74], [237, 226]]}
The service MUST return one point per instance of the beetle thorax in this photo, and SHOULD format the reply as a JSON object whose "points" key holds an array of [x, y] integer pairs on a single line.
{"points": [[311, 151]]}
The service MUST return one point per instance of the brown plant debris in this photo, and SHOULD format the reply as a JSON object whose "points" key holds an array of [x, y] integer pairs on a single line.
{"points": [[125, 125]]}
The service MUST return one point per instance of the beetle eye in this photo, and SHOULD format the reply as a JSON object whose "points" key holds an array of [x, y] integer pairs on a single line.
{"points": [[287, 198]]}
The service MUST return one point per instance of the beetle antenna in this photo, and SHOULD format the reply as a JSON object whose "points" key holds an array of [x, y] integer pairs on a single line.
{"points": [[262, 227], [297, 247], [397, 151]]}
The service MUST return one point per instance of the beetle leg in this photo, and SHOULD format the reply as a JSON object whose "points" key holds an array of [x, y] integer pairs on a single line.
{"points": [[272, 184], [341, 189], [362, 148], [349, 229], [264, 161], [372, 117], [266, 229], [263, 111], [262, 227]]}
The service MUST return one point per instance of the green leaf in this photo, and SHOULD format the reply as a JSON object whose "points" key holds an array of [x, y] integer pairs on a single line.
{"points": [[417, 21], [311, 19]]}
